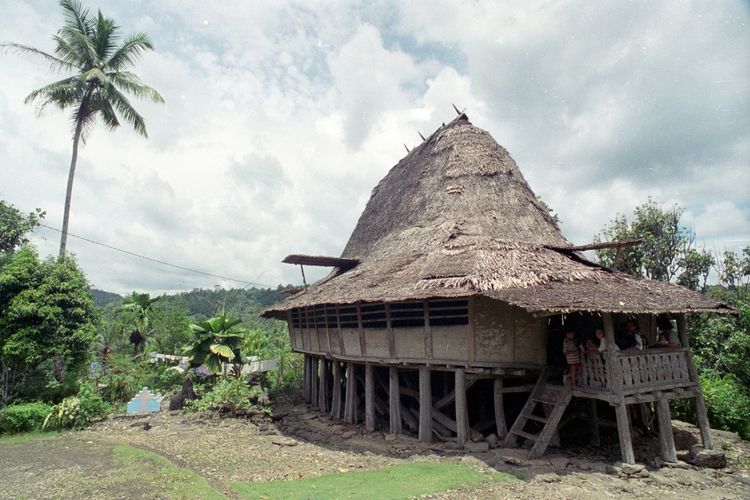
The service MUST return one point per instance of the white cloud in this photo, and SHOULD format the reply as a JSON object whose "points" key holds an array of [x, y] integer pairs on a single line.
{"points": [[282, 116]]}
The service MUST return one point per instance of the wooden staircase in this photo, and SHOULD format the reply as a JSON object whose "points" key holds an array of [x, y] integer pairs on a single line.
{"points": [[552, 400]]}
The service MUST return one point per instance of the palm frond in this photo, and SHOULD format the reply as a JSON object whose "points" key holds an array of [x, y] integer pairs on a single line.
{"points": [[131, 84], [105, 110], [68, 53], [105, 36], [56, 63], [62, 93], [82, 44], [131, 49], [76, 16]]}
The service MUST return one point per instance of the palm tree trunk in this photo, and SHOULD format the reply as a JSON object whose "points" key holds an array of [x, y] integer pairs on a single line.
{"points": [[69, 190]]}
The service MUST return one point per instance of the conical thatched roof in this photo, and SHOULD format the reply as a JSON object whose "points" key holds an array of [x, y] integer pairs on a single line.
{"points": [[456, 218]]}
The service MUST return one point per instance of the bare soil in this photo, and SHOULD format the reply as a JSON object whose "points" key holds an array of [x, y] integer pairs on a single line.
{"points": [[297, 442]]}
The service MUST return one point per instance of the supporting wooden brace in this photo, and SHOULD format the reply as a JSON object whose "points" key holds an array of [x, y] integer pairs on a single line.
{"points": [[623, 430], [500, 423], [594, 422], [350, 404], [306, 380], [425, 405], [369, 398], [313, 380], [462, 413], [394, 401], [666, 438], [323, 385], [700, 402], [336, 396]]}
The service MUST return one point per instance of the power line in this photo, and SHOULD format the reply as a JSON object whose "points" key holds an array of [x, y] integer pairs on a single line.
{"points": [[159, 261]]}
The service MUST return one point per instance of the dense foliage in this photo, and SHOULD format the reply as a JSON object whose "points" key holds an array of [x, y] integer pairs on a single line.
{"points": [[23, 417], [721, 343], [15, 226], [215, 342]]}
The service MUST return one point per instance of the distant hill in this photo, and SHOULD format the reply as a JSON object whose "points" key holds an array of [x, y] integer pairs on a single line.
{"points": [[102, 298], [203, 303]]}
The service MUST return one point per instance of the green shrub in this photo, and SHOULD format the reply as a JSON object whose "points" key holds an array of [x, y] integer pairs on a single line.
{"points": [[23, 417], [228, 395], [727, 403], [167, 379], [122, 379], [77, 412]]}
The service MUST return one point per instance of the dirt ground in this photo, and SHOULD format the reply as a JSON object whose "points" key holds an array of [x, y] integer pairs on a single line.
{"points": [[296, 443]]}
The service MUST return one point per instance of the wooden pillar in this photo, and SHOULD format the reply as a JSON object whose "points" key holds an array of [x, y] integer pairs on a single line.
{"points": [[700, 402], [666, 438], [462, 411], [594, 422], [336, 396], [323, 385], [394, 401], [306, 379], [425, 405], [313, 380], [614, 382], [369, 398], [500, 423], [350, 404]]}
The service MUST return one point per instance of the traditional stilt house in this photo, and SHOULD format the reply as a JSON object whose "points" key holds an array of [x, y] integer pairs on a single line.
{"points": [[448, 301]]}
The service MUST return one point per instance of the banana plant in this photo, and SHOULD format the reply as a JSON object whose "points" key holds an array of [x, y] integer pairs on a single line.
{"points": [[214, 343]]}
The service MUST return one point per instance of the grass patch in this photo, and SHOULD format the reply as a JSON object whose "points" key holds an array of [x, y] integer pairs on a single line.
{"points": [[400, 481], [26, 437], [162, 476]]}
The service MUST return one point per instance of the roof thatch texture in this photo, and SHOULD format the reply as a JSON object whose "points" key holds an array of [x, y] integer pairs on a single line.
{"points": [[456, 218]]}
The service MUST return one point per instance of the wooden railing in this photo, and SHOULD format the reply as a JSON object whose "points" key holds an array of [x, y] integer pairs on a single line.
{"points": [[648, 370]]}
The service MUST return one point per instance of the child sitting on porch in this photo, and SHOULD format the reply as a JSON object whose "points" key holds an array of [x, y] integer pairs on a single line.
{"points": [[572, 356]]}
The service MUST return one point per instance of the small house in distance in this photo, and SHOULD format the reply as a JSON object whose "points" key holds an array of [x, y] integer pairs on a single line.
{"points": [[443, 315]]}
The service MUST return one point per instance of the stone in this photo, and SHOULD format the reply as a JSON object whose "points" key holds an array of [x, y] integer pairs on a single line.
{"points": [[480, 447], [390, 437], [642, 473], [348, 434], [613, 469], [550, 477], [701, 457], [492, 440], [285, 442], [631, 469], [512, 460]]}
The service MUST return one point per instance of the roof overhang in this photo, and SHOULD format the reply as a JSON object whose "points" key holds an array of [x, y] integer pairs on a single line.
{"points": [[321, 261], [595, 246]]}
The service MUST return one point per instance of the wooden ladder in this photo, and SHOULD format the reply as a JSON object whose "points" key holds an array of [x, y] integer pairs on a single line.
{"points": [[545, 396]]}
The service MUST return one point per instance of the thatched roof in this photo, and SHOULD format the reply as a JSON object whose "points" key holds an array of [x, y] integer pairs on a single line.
{"points": [[456, 218]]}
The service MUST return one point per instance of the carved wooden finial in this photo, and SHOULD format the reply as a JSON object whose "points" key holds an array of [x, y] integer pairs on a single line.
{"points": [[407, 149], [420, 135]]}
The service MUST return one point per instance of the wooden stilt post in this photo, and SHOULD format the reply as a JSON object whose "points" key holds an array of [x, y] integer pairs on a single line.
{"points": [[336, 396], [666, 438], [369, 398], [306, 380], [350, 406], [323, 385], [462, 415], [500, 423], [594, 422], [614, 381], [425, 405], [394, 401], [700, 402], [313, 380]]}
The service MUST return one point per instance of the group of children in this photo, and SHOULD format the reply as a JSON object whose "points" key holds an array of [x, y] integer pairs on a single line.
{"points": [[629, 338]]}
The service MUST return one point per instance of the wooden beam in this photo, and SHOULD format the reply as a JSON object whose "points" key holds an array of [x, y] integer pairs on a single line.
{"points": [[323, 385], [342, 351], [700, 402], [427, 331], [593, 422], [391, 336], [666, 438], [471, 347], [362, 340], [623, 431], [306, 379], [451, 396], [462, 413], [425, 405], [336, 397], [313, 380], [369, 399], [350, 403], [394, 401], [500, 422]]}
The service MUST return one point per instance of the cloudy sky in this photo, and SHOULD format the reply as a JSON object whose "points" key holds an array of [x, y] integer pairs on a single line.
{"points": [[281, 117]]}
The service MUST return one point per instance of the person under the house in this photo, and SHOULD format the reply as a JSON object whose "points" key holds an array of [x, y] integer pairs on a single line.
{"points": [[572, 355]]}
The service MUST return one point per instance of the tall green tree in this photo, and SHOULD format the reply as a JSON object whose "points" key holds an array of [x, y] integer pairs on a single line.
{"points": [[90, 47], [138, 307], [15, 226], [46, 313], [216, 341]]}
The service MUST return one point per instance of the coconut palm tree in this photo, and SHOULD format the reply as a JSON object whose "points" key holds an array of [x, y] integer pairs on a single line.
{"points": [[90, 47]]}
